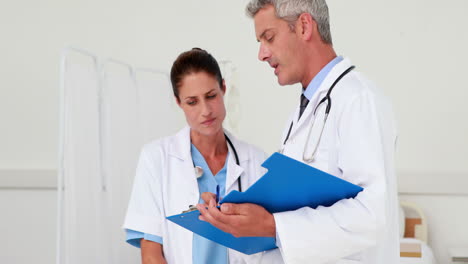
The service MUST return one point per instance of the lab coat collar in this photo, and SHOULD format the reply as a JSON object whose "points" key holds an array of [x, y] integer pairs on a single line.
{"points": [[318, 95], [234, 171], [180, 145], [180, 148]]}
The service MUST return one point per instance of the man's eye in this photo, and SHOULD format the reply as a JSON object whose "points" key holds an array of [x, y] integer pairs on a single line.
{"points": [[191, 102], [211, 96]]}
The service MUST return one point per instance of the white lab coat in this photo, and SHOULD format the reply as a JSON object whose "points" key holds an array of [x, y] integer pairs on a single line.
{"points": [[166, 184], [357, 145]]}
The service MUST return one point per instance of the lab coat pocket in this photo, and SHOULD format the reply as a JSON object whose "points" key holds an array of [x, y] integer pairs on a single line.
{"points": [[353, 259], [180, 201], [349, 261], [321, 159]]}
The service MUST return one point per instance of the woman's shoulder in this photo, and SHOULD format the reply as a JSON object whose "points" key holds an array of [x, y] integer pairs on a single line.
{"points": [[158, 146], [246, 148]]}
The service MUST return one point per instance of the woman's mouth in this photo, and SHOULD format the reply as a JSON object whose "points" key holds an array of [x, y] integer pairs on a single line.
{"points": [[208, 122]]}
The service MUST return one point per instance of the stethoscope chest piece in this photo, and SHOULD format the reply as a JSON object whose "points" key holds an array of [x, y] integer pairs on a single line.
{"points": [[198, 171]]}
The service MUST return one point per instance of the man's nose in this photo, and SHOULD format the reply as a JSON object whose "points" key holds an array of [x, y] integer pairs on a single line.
{"points": [[263, 53]]}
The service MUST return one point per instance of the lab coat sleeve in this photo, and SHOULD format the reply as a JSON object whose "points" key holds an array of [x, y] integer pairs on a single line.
{"points": [[328, 234], [144, 213]]}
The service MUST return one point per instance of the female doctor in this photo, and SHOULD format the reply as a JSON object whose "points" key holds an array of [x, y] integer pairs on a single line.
{"points": [[174, 171]]}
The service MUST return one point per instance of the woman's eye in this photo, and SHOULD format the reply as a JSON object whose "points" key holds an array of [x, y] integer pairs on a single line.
{"points": [[191, 102], [211, 96]]}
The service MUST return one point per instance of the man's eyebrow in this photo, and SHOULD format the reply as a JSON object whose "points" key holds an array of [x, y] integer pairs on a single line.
{"points": [[263, 34]]}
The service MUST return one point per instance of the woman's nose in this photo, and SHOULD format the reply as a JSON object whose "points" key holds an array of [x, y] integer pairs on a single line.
{"points": [[206, 109]]}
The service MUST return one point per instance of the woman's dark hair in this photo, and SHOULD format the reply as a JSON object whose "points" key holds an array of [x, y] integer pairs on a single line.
{"points": [[193, 61]]}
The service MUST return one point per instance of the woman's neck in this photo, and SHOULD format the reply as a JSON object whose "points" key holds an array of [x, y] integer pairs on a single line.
{"points": [[210, 146]]}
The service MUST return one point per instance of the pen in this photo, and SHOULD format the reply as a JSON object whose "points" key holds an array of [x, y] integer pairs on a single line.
{"points": [[217, 194]]}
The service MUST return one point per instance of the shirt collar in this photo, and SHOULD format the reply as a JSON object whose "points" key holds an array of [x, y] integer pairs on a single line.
{"points": [[318, 79]]}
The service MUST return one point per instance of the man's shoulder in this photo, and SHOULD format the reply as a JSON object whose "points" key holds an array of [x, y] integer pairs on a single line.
{"points": [[357, 85]]}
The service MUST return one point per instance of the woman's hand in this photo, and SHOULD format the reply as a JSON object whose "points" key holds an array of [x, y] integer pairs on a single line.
{"points": [[240, 220], [207, 197]]}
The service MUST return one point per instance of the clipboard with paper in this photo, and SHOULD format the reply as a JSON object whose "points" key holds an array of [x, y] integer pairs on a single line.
{"points": [[288, 185]]}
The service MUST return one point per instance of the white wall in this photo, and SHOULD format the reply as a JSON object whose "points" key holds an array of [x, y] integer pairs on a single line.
{"points": [[28, 226], [414, 50], [142, 33]]}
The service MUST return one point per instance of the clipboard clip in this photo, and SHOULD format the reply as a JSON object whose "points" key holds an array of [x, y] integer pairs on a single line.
{"points": [[191, 208]]}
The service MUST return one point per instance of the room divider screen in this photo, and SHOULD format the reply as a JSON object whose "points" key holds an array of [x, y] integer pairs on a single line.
{"points": [[109, 110]]}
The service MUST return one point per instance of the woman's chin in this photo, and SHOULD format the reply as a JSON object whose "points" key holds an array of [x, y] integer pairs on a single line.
{"points": [[209, 131]]}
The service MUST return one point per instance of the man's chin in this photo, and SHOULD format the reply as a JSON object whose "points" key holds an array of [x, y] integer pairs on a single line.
{"points": [[283, 82]]}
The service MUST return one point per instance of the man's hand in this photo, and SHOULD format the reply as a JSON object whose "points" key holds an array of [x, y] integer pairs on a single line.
{"points": [[240, 220]]}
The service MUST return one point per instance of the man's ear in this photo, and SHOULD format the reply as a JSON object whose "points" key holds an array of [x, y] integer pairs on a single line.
{"points": [[307, 26]]}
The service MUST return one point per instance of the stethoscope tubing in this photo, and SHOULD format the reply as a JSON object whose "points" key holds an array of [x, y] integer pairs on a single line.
{"points": [[236, 156], [327, 111], [239, 183]]}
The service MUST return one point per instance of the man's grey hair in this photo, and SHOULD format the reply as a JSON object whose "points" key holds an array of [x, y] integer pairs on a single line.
{"points": [[290, 10]]}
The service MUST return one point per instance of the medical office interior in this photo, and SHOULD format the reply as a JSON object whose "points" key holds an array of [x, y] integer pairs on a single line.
{"points": [[68, 113]]}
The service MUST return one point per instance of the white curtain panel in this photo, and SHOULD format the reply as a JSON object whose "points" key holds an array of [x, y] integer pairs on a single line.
{"points": [[109, 110], [80, 218], [121, 142]]}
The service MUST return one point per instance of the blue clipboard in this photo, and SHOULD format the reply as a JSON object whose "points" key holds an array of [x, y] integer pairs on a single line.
{"points": [[288, 185]]}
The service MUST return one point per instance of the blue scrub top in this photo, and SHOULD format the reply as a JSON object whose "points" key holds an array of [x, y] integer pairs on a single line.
{"points": [[204, 251]]}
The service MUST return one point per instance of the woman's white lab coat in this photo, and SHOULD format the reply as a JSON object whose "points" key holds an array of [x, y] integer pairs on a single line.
{"points": [[357, 145], [166, 184]]}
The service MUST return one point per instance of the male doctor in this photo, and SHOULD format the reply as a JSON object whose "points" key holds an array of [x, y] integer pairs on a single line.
{"points": [[354, 139]]}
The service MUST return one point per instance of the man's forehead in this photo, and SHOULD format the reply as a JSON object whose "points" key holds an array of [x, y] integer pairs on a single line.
{"points": [[265, 20]]}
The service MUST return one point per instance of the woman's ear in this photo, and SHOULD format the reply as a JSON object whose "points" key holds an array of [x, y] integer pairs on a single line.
{"points": [[177, 100], [223, 87]]}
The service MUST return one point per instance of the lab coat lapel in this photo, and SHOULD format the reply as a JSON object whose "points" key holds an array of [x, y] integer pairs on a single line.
{"points": [[180, 149], [180, 145], [308, 114], [234, 171]]}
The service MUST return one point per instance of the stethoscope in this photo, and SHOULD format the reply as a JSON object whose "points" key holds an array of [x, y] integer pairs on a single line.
{"points": [[309, 152], [199, 170]]}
